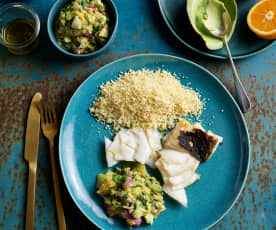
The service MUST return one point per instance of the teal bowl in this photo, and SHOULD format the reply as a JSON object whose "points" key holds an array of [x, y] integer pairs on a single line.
{"points": [[59, 4]]}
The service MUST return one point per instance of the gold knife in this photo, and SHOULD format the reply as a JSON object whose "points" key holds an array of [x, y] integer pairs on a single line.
{"points": [[30, 155]]}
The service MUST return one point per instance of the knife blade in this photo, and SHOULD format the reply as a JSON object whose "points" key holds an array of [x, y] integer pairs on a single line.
{"points": [[30, 155], [33, 129]]}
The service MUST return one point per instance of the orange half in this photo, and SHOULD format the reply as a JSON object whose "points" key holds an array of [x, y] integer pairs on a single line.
{"points": [[261, 19]]}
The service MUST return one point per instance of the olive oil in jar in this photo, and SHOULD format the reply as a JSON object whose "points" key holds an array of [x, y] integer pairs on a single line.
{"points": [[17, 33]]}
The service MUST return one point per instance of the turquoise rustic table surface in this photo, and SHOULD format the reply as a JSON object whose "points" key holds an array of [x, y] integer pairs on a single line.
{"points": [[141, 29]]}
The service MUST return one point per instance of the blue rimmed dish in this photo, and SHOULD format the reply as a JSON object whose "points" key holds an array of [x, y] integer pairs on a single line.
{"points": [[59, 4], [244, 43], [82, 155]]}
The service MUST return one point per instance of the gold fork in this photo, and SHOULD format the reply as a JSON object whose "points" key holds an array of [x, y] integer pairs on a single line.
{"points": [[49, 129]]}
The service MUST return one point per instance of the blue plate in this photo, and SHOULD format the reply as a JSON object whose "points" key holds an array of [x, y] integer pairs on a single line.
{"points": [[82, 156], [243, 43]]}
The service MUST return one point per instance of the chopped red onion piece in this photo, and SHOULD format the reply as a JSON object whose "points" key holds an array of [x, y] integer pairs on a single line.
{"points": [[138, 221], [88, 35], [129, 201], [76, 50], [129, 181], [95, 9], [67, 47], [128, 216]]}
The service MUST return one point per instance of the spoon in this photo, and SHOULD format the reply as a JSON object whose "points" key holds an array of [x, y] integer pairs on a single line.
{"points": [[221, 32]]}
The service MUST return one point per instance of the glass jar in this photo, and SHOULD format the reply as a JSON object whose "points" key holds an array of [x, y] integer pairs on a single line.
{"points": [[19, 28]]}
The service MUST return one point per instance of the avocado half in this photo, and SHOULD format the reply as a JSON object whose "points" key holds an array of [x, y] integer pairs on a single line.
{"points": [[196, 10]]}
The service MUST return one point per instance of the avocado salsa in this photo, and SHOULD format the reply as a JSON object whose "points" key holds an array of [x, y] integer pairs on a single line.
{"points": [[82, 26], [131, 193]]}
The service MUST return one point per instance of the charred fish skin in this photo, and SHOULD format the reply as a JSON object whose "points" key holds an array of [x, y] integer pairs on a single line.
{"points": [[197, 143], [193, 139]]}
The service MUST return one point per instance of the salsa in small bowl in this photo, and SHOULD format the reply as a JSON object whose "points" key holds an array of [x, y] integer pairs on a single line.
{"points": [[82, 28]]}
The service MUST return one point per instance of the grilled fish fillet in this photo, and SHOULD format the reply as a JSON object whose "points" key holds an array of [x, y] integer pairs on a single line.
{"points": [[193, 139]]}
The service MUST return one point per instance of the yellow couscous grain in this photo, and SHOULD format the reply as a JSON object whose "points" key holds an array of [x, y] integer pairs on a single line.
{"points": [[145, 99]]}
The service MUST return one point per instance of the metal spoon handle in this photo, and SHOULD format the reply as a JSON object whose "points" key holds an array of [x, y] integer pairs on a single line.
{"points": [[241, 95]]}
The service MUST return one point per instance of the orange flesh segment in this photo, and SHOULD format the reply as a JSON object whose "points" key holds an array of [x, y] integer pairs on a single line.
{"points": [[264, 16]]}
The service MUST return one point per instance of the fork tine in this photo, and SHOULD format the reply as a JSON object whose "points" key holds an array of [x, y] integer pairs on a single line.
{"points": [[54, 113], [45, 113], [49, 113]]}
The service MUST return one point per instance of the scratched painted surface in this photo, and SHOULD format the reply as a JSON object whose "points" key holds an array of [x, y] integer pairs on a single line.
{"points": [[141, 30]]}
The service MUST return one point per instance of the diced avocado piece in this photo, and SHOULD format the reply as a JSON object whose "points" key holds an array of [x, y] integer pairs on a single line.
{"points": [[67, 39], [76, 24], [138, 212], [101, 178], [140, 168], [149, 218], [104, 32], [136, 191], [156, 188]]}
